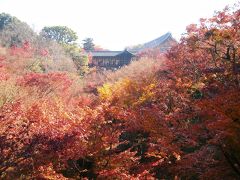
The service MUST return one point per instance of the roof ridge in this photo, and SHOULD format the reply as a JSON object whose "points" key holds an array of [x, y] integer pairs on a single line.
{"points": [[105, 51], [164, 37]]}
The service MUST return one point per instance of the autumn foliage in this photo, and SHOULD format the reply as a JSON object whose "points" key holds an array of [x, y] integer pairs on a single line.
{"points": [[176, 116]]}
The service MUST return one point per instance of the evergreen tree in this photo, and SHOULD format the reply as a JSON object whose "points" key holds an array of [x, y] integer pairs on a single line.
{"points": [[88, 44]]}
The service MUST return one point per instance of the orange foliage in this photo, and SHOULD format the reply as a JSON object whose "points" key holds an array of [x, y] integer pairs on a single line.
{"points": [[171, 117]]}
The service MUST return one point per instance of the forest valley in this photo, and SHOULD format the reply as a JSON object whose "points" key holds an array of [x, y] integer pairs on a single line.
{"points": [[172, 116]]}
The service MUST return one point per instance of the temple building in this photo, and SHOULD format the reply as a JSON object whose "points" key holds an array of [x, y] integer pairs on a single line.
{"points": [[117, 59], [111, 59]]}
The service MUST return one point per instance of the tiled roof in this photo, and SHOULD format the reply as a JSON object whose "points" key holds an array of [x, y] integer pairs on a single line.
{"points": [[151, 44], [157, 42], [105, 53], [108, 53]]}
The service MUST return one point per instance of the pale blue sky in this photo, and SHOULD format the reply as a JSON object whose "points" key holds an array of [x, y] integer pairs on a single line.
{"points": [[114, 24]]}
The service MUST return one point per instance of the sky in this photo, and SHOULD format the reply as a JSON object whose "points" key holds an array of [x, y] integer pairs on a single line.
{"points": [[114, 24]]}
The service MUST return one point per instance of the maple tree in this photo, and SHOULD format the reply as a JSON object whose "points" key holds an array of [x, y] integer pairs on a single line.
{"points": [[175, 116], [189, 106]]}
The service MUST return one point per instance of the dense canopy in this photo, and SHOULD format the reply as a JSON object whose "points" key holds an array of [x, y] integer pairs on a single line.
{"points": [[165, 116], [61, 34]]}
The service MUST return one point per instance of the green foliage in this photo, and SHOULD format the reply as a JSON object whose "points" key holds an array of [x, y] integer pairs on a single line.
{"points": [[5, 19], [61, 34], [81, 62], [197, 94], [37, 66], [172, 117], [66, 38], [88, 44], [14, 32], [72, 49]]}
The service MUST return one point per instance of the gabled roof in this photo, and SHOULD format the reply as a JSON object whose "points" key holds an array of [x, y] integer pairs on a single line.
{"points": [[108, 53], [105, 53], [154, 43], [157, 42], [125, 52], [151, 44]]}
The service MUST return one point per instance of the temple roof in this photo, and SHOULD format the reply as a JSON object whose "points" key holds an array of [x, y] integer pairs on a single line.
{"points": [[105, 53], [108, 53], [154, 43], [157, 42], [151, 44]]}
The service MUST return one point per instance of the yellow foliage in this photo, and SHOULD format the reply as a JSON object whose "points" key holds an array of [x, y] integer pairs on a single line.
{"points": [[119, 91], [147, 94], [105, 92], [198, 85], [128, 92], [36, 66], [8, 92]]}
